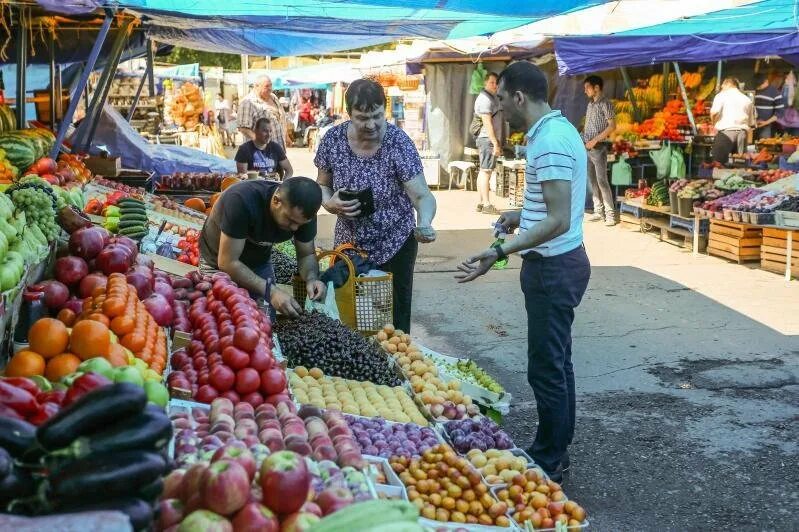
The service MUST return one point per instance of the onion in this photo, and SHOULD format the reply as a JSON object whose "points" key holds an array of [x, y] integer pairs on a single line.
{"points": [[165, 290], [141, 282], [160, 309]]}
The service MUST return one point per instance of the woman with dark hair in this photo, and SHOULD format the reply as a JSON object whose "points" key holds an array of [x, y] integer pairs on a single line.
{"points": [[366, 153]]}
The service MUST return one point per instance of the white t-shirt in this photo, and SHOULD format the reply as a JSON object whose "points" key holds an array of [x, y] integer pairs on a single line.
{"points": [[554, 151], [735, 109], [223, 106]]}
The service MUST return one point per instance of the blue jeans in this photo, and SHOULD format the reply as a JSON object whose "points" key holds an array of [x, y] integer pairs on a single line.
{"points": [[553, 287]]}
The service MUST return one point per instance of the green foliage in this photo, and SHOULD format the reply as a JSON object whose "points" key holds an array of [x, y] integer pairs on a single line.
{"points": [[183, 56]]}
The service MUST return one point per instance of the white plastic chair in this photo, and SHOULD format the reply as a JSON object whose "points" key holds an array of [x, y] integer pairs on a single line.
{"points": [[466, 170]]}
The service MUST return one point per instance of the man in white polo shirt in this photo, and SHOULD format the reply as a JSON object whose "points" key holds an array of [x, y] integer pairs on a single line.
{"points": [[555, 269]]}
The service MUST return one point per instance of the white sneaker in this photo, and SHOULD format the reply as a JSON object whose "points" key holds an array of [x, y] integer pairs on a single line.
{"points": [[610, 222], [595, 218]]}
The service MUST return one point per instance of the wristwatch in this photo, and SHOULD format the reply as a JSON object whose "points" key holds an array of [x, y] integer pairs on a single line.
{"points": [[501, 255]]}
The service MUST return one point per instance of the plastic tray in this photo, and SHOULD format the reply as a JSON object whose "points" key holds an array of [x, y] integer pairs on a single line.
{"points": [[518, 453], [391, 477], [440, 525], [511, 511]]}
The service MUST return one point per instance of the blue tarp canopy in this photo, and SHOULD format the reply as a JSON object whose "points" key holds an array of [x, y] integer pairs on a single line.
{"points": [[759, 29], [319, 26]]}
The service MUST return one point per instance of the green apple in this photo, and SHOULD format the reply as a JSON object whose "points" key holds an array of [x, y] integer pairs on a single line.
{"points": [[152, 375], [156, 393], [97, 365], [140, 365], [128, 374], [9, 274], [43, 384], [67, 380]]}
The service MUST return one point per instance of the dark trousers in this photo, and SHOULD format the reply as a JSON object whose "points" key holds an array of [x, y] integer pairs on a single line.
{"points": [[401, 267], [553, 287]]}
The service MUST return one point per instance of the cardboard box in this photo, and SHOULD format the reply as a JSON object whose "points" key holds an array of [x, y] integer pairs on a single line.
{"points": [[104, 166]]}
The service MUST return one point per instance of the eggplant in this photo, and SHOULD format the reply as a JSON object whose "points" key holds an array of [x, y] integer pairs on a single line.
{"points": [[149, 430], [16, 485], [16, 436], [152, 492], [92, 412], [139, 512], [106, 475]]}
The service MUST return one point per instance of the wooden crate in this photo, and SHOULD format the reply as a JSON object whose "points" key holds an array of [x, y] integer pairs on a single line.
{"points": [[773, 251], [734, 241]]}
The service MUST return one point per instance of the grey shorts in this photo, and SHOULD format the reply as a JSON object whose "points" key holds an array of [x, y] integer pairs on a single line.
{"points": [[486, 153]]}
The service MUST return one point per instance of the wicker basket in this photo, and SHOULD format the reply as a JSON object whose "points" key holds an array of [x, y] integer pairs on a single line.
{"points": [[408, 83], [386, 79], [364, 303]]}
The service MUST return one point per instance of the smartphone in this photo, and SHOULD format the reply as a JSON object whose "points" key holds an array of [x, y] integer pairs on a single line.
{"points": [[365, 197]]}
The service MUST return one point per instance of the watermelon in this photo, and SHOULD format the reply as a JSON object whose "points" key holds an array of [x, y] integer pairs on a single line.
{"points": [[21, 151], [8, 120]]}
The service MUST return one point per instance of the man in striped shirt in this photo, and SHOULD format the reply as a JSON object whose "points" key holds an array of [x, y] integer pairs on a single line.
{"points": [[768, 104], [555, 269]]}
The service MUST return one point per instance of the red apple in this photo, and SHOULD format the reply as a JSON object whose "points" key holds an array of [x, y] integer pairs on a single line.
{"points": [[299, 522], [285, 482], [170, 512], [243, 457], [225, 487], [333, 499], [255, 517], [311, 508], [205, 521], [191, 481]]}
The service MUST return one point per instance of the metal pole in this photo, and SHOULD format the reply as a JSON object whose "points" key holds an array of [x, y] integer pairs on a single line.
{"points": [[151, 67], [630, 94], [22, 65], [106, 78], [718, 76], [53, 83], [245, 73], [84, 78], [665, 82], [685, 97], [59, 87], [136, 98]]}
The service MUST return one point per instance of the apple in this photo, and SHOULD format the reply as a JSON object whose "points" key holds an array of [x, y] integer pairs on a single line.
{"points": [[170, 512], [255, 517], [333, 499], [243, 457], [299, 522], [191, 481], [285, 482], [225, 487], [205, 521], [311, 508], [172, 483]]}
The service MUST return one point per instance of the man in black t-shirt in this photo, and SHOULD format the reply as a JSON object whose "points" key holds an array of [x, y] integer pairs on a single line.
{"points": [[263, 154], [247, 219]]}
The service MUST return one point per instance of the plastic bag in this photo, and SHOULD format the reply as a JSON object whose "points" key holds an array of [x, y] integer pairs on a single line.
{"points": [[662, 160], [621, 173], [478, 79], [677, 170], [328, 307]]}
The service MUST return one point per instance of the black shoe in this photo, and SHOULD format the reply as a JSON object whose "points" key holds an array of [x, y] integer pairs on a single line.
{"points": [[565, 463]]}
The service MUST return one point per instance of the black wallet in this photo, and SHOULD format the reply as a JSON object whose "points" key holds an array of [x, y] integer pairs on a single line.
{"points": [[365, 196]]}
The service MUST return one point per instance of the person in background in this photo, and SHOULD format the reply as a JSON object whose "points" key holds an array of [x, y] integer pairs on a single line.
{"points": [[222, 111], [732, 114], [261, 102], [600, 121], [247, 220], [490, 139], [768, 104], [555, 269], [366, 152], [262, 154], [305, 118]]}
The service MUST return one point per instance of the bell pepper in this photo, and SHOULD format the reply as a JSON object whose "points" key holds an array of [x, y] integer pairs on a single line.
{"points": [[24, 383], [112, 211], [53, 396], [83, 385], [111, 223], [93, 206], [7, 411], [18, 399], [45, 412]]}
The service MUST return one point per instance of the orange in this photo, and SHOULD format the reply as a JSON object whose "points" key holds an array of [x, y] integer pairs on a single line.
{"points": [[134, 341], [25, 364], [122, 325], [113, 307], [117, 355], [48, 337], [102, 318], [66, 316], [60, 366], [90, 339]]}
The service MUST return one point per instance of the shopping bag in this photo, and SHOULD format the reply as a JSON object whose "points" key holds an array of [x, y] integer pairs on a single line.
{"points": [[328, 306], [478, 79], [662, 160], [677, 170], [621, 173]]}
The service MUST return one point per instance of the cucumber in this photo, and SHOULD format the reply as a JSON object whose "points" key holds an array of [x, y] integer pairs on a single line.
{"points": [[133, 230], [92, 412], [131, 222], [135, 218], [138, 212], [124, 202]]}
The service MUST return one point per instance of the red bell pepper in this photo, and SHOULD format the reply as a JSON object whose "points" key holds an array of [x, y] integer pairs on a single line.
{"points": [[45, 412], [83, 385], [7, 411], [26, 384], [53, 396], [20, 400]]}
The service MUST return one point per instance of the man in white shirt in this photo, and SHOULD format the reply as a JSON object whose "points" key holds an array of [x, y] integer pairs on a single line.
{"points": [[555, 270], [733, 114], [222, 110]]}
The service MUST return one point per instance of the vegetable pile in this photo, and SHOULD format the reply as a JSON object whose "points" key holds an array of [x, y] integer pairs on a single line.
{"points": [[314, 339], [102, 452]]}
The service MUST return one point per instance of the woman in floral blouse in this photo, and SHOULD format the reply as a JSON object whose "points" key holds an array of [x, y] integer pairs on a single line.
{"points": [[367, 152]]}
